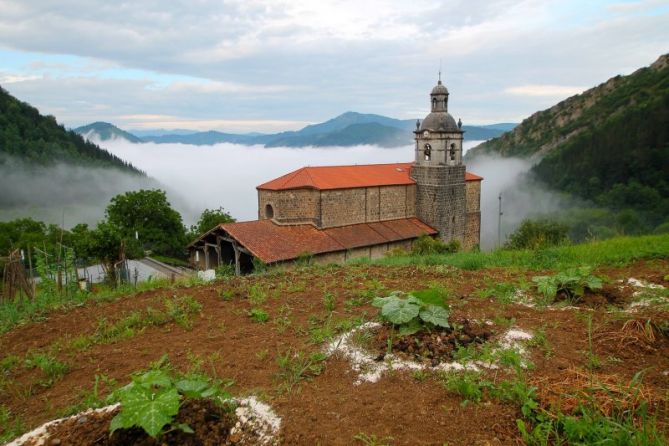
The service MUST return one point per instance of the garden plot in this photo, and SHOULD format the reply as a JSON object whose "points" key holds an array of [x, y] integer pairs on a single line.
{"points": [[256, 424], [57, 363], [372, 365]]}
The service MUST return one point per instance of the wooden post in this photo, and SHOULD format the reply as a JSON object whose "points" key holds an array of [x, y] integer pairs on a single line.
{"points": [[238, 269], [206, 257], [218, 251]]}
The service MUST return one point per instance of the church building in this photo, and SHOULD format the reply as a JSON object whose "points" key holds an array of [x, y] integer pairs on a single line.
{"points": [[336, 213]]}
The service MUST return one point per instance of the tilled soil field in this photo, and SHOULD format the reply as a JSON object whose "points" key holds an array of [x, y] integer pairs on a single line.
{"points": [[603, 338]]}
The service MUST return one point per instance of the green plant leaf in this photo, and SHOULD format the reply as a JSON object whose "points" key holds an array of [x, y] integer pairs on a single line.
{"points": [[400, 311], [149, 410], [379, 302], [193, 388], [435, 315], [410, 327], [152, 378]]}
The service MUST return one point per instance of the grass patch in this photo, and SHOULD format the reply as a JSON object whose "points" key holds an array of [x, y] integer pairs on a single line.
{"points": [[617, 251]]}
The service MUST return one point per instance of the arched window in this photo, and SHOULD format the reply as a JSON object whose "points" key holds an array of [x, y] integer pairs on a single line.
{"points": [[269, 211], [434, 104], [452, 152], [427, 151]]}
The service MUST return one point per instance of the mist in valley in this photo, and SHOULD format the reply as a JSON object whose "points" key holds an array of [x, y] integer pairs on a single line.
{"points": [[225, 175]]}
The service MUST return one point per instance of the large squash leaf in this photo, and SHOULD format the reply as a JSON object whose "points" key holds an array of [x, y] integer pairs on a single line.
{"points": [[400, 311]]}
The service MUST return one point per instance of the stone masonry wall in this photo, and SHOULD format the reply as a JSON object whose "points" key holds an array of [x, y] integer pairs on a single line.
{"points": [[291, 206], [342, 207], [473, 218], [441, 199]]}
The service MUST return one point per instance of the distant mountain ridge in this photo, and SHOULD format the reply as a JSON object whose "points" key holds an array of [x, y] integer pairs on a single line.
{"points": [[347, 129], [105, 131]]}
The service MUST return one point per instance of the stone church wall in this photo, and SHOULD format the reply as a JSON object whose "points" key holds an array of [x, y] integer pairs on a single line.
{"points": [[473, 217], [290, 206], [369, 205]]}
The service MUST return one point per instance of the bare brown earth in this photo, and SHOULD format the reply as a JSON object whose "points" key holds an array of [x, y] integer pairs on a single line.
{"points": [[328, 409]]}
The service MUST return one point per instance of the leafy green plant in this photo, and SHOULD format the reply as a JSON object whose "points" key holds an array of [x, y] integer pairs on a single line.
{"points": [[572, 283], [412, 312], [258, 315], [50, 366], [329, 302], [153, 398], [372, 440], [295, 366]]}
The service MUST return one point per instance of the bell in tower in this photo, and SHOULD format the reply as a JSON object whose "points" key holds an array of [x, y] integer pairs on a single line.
{"points": [[438, 169]]}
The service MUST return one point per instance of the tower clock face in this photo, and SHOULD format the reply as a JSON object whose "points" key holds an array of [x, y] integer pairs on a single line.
{"points": [[426, 134]]}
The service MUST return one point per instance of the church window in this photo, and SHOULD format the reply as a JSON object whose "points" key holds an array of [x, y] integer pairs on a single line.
{"points": [[427, 151], [434, 104], [452, 152], [269, 211]]}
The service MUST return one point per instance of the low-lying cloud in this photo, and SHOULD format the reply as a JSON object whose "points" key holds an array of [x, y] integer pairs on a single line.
{"points": [[225, 175]]}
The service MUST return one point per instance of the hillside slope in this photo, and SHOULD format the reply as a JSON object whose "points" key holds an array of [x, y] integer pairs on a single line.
{"points": [[35, 139], [609, 144]]}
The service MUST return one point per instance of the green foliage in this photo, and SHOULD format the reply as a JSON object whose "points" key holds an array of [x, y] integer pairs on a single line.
{"points": [[572, 283], [258, 315], [534, 234], [425, 245], [153, 398], [465, 384], [410, 313], [150, 215], [11, 425], [52, 369], [38, 139], [296, 366], [209, 219]]}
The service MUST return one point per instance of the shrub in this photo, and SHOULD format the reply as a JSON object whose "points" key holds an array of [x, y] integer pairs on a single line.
{"points": [[534, 234], [425, 245]]}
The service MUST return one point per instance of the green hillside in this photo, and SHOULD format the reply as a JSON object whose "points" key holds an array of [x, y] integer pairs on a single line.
{"points": [[27, 135], [609, 145]]}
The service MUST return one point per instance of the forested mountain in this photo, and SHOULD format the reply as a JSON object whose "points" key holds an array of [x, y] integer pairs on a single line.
{"points": [[105, 131], [28, 136], [347, 129], [609, 144]]}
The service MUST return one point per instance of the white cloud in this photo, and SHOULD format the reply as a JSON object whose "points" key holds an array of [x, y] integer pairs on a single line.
{"points": [[554, 91]]}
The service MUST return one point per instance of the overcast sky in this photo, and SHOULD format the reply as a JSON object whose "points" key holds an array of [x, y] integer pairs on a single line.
{"points": [[249, 65]]}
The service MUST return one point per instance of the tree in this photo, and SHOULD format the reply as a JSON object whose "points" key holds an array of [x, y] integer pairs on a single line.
{"points": [[535, 234], [149, 214], [209, 219]]}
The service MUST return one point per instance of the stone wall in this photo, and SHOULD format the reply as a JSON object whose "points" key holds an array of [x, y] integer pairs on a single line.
{"points": [[441, 199], [290, 206], [339, 207], [473, 217]]}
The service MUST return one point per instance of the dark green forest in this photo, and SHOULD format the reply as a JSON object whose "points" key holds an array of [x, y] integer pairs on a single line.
{"points": [[27, 135], [623, 162]]}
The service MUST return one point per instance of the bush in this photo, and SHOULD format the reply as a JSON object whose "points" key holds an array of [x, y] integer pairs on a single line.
{"points": [[426, 245], [534, 234]]}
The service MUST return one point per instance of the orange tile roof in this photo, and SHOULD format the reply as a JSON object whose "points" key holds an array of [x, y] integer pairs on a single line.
{"points": [[347, 177], [274, 243]]}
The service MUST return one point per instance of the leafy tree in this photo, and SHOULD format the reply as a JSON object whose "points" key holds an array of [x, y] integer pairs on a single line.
{"points": [[533, 234], [208, 220], [150, 215]]}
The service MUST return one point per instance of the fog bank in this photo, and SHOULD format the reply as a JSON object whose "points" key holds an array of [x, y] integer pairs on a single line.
{"points": [[225, 175]]}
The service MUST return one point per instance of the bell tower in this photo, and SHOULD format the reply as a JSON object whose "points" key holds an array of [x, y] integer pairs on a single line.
{"points": [[438, 169]]}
